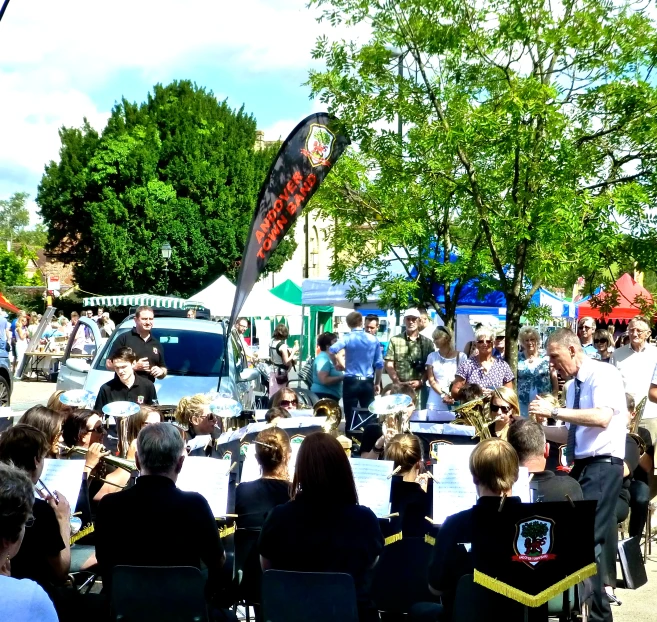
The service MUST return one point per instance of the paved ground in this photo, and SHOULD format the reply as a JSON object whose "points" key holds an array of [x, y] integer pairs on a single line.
{"points": [[639, 605], [28, 393]]}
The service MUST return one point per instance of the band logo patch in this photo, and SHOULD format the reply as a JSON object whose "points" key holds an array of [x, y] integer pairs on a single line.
{"points": [[140, 399], [533, 542], [154, 350], [319, 145]]}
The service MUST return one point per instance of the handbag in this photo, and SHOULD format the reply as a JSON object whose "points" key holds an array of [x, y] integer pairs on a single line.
{"points": [[281, 375]]}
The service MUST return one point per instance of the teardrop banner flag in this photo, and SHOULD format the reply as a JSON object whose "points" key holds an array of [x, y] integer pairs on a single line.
{"points": [[303, 162]]}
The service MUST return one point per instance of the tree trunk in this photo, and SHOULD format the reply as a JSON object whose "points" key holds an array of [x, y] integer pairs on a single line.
{"points": [[513, 312]]}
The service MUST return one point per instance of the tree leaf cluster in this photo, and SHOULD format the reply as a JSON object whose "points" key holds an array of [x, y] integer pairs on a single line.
{"points": [[179, 168]]}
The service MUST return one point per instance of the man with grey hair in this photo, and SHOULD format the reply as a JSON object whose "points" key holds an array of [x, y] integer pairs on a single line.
{"points": [[595, 420], [134, 527], [585, 329]]}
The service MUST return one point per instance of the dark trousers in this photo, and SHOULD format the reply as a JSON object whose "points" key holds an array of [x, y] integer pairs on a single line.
{"points": [[639, 502], [355, 393], [601, 482]]}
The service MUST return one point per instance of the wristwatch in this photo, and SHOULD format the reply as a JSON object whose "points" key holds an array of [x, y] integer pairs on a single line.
{"points": [[555, 413]]}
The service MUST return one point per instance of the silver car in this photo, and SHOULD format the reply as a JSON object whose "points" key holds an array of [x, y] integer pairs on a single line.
{"points": [[192, 350]]}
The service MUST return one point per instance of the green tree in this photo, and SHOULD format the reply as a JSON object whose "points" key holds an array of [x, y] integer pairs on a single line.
{"points": [[534, 530], [12, 269], [14, 216], [179, 167], [538, 122], [37, 237]]}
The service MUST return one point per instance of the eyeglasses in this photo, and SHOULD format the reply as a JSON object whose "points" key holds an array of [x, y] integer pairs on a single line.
{"points": [[30, 521], [289, 403], [638, 330], [600, 341], [497, 408], [488, 342]]}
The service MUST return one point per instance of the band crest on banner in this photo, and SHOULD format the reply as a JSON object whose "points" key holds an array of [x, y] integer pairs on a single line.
{"points": [[319, 145], [533, 541]]}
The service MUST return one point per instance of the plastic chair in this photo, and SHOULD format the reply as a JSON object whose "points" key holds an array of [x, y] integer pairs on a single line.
{"points": [[400, 576], [474, 603], [156, 593], [302, 596]]}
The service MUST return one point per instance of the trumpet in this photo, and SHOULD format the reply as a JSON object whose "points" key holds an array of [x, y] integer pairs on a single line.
{"points": [[121, 463]]}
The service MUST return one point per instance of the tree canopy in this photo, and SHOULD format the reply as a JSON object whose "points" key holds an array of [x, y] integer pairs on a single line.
{"points": [[179, 168], [14, 216], [532, 123]]}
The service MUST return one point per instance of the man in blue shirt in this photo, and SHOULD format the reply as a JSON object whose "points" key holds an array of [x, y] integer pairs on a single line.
{"points": [[585, 329], [363, 367]]}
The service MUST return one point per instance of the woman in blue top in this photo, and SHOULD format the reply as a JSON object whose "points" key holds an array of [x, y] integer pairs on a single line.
{"points": [[535, 376], [327, 380]]}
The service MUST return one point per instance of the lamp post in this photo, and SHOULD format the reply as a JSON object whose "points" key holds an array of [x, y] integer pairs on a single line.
{"points": [[166, 255]]}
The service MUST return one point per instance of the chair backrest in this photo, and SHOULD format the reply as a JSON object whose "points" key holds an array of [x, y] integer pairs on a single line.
{"points": [[474, 603], [302, 596], [400, 576], [156, 593], [247, 564]]}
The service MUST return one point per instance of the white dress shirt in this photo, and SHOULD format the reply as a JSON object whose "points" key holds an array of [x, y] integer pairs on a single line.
{"points": [[637, 369], [602, 387]]}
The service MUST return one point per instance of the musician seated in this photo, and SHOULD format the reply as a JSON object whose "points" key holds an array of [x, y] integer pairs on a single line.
{"points": [[277, 412], [50, 423], [374, 441], [410, 495], [194, 414], [323, 529], [22, 600], [528, 439], [54, 403], [494, 468], [254, 500], [504, 408], [126, 386], [129, 428], [45, 556], [156, 504], [285, 398]]}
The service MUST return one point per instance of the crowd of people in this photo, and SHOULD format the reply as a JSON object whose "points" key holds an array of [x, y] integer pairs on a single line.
{"points": [[312, 520]]}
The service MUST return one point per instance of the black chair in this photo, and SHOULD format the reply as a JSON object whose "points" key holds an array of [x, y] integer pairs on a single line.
{"points": [[302, 596], [400, 576], [248, 573], [474, 603], [156, 593]]}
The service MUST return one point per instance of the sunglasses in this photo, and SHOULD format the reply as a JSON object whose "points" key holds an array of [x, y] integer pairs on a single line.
{"points": [[485, 341], [497, 408], [288, 403], [600, 341], [586, 328]]}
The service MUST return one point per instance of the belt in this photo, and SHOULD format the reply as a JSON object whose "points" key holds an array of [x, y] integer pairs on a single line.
{"points": [[597, 459], [355, 377]]}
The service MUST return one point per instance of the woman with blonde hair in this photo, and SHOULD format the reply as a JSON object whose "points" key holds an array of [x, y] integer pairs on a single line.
{"points": [[441, 369], [534, 373], [504, 408], [194, 415], [410, 495]]}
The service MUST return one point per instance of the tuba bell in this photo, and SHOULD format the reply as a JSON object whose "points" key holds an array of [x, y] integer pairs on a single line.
{"points": [[475, 413], [391, 412], [326, 407]]}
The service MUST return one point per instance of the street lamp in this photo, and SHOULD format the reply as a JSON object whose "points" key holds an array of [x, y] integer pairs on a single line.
{"points": [[166, 255]]}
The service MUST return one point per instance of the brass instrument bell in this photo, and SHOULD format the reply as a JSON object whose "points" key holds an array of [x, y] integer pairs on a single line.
{"points": [[326, 407], [391, 412]]}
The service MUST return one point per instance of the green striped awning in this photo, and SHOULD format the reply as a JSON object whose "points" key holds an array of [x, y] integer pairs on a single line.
{"points": [[136, 300]]}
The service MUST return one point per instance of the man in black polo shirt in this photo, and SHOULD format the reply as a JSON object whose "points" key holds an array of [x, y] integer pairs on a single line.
{"points": [[148, 350], [126, 386], [528, 439]]}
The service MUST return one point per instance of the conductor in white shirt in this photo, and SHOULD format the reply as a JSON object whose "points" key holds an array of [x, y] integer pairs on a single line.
{"points": [[595, 420]]}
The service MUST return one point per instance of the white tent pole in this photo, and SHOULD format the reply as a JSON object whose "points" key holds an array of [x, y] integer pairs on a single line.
{"points": [[303, 321]]}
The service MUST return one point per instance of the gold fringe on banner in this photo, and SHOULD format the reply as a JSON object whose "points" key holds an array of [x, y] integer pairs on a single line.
{"points": [[394, 538], [224, 532], [528, 599], [82, 533], [429, 539]]}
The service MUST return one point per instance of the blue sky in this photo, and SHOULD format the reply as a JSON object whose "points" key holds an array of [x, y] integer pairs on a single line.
{"points": [[62, 61]]}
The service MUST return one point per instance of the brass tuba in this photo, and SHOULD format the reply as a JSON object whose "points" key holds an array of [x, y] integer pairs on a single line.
{"points": [[326, 407], [391, 412], [475, 413]]}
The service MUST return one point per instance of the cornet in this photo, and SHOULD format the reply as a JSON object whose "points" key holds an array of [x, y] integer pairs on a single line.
{"points": [[121, 463]]}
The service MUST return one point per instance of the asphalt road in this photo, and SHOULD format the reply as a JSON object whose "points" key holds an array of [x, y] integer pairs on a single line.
{"points": [[28, 393]]}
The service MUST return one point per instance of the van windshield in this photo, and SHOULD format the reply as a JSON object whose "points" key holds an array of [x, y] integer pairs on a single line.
{"points": [[186, 352]]}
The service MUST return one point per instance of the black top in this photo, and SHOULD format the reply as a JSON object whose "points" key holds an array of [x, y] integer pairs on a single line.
{"points": [[150, 349], [142, 391], [546, 486], [640, 474], [254, 500], [42, 540], [134, 527], [451, 559], [305, 537], [413, 504], [371, 434]]}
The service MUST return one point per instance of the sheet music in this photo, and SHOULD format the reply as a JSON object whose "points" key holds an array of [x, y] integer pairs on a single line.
{"points": [[427, 427], [209, 478], [373, 483], [453, 488], [251, 469], [198, 442], [521, 487], [65, 476]]}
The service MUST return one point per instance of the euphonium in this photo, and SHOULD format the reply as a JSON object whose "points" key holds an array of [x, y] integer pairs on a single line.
{"points": [[326, 407], [475, 413], [121, 463]]}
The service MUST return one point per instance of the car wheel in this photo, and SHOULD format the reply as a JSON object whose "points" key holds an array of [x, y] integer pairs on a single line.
{"points": [[5, 393]]}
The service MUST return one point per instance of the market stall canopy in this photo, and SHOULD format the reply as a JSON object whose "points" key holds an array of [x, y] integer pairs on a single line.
{"points": [[628, 290], [218, 297], [558, 306], [323, 292], [137, 300], [289, 291], [5, 304]]}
